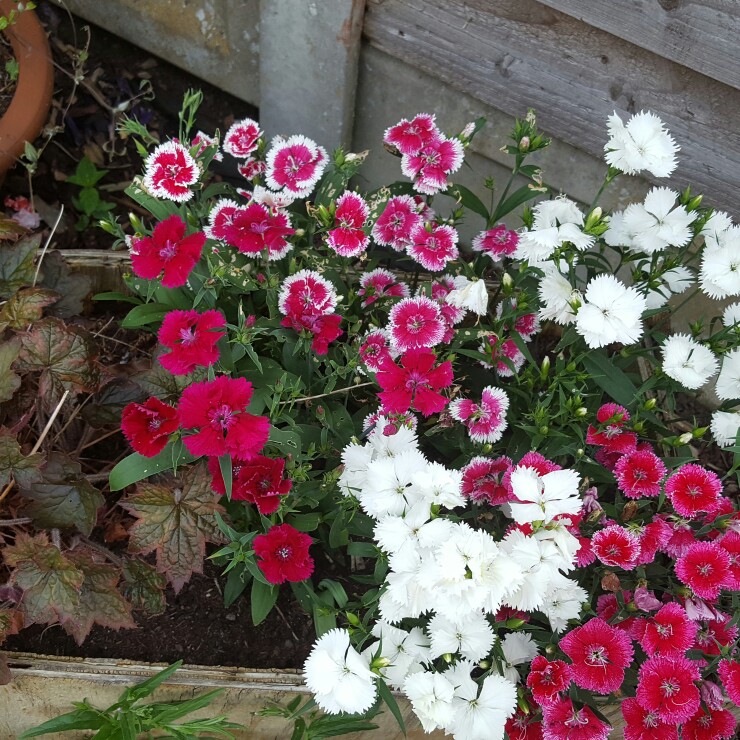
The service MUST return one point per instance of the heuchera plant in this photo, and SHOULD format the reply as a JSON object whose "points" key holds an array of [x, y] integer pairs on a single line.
{"points": [[493, 433]]}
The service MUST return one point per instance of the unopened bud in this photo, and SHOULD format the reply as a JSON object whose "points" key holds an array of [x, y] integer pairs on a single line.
{"points": [[629, 511], [550, 649], [514, 623], [507, 281], [650, 404], [685, 438], [484, 665], [610, 582], [545, 367], [544, 429], [447, 657], [524, 144], [581, 411]]}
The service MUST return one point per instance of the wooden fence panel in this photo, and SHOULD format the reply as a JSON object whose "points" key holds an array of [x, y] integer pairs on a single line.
{"points": [[514, 54], [700, 35]]}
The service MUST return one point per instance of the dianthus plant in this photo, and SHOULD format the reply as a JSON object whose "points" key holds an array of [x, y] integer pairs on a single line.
{"points": [[496, 433]]}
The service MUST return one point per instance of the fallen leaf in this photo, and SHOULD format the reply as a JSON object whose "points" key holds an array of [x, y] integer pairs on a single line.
{"points": [[175, 520]]}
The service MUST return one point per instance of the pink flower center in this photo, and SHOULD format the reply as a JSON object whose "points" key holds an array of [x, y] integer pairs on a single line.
{"points": [[705, 569], [650, 720], [693, 491], [669, 687], [578, 718], [415, 380], [223, 416], [168, 251], [154, 424], [284, 552], [596, 656], [187, 335]]}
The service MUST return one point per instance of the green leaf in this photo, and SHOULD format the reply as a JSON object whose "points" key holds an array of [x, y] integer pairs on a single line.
{"points": [[63, 355], [50, 582], [516, 199], [147, 313], [307, 522], [116, 296], [77, 720], [25, 307], [610, 378], [224, 464], [13, 463], [164, 385], [64, 498], [88, 200], [9, 381], [17, 265], [143, 586], [468, 199], [145, 688], [263, 599], [323, 619], [160, 209], [336, 590], [136, 467], [289, 443], [100, 601], [87, 174], [236, 581], [385, 694], [175, 520]]}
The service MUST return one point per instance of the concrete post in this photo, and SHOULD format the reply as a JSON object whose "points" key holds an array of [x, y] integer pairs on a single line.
{"points": [[309, 51]]}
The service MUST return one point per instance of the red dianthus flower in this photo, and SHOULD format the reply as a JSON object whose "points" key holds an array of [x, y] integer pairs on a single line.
{"points": [[639, 473], [191, 338], [167, 252], [259, 481], [729, 672], [599, 655], [709, 724], [644, 725], [215, 409], [669, 632], [693, 489], [564, 722], [415, 383], [705, 569], [616, 546], [283, 554], [666, 687], [148, 426], [547, 678]]}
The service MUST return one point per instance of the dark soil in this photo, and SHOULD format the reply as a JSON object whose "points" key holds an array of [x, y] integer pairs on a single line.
{"points": [[195, 626]]}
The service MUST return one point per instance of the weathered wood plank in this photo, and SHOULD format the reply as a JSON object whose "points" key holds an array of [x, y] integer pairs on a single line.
{"points": [[700, 35], [515, 54]]}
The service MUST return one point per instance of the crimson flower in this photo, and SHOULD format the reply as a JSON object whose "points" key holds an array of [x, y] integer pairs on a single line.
{"points": [[693, 489], [432, 246], [639, 473], [669, 632], [410, 136], [610, 433], [323, 328], [430, 165], [283, 554], [415, 383], [169, 171], [524, 726], [731, 544], [483, 480], [242, 138], [191, 338], [148, 426], [729, 672], [167, 252], [547, 678], [709, 724], [415, 322], [259, 481], [644, 725], [599, 655], [564, 722], [215, 409], [616, 547], [497, 242], [716, 634], [705, 569], [666, 687]]}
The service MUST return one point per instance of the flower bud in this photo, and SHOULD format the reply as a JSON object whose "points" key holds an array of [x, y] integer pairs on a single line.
{"points": [[447, 657], [685, 438], [650, 404], [611, 582], [524, 143], [544, 429], [550, 649], [484, 665], [545, 367], [514, 623], [581, 411], [507, 282]]}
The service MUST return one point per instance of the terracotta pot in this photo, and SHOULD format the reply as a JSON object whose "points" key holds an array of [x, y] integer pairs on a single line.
{"points": [[29, 108]]}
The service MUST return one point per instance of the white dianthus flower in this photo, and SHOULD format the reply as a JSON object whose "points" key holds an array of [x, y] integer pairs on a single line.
{"points": [[355, 459], [658, 222], [643, 144], [388, 488], [431, 697], [558, 297], [563, 602], [728, 382], [481, 712], [724, 427], [555, 222], [339, 677], [731, 315], [469, 294], [471, 636], [404, 650], [543, 497], [687, 361], [390, 445], [439, 485], [518, 648], [716, 225], [612, 313], [720, 264]]}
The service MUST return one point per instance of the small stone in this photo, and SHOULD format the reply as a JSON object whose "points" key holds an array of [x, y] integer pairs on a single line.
{"points": [[231, 617]]}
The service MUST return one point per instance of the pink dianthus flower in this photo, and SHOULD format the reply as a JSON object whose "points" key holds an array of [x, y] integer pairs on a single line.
{"points": [[666, 686], [485, 421], [169, 171], [192, 339]]}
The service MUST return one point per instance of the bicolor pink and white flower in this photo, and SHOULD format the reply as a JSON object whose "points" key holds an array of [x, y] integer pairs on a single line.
{"points": [[380, 283], [484, 480], [433, 245], [169, 171], [295, 164], [242, 138], [429, 166], [414, 323], [348, 238], [640, 473], [410, 136], [251, 168], [485, 421], [497, 242], [394, 225], [705, 569], [616, 546], [667, 687], [307, 292]]}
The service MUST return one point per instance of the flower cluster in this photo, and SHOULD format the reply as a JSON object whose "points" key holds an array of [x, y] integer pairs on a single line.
{"points": [[499, 421]]}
